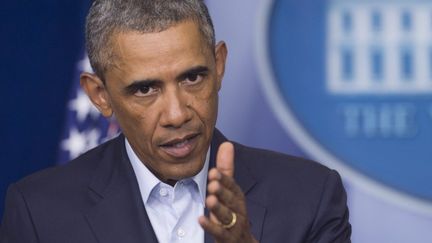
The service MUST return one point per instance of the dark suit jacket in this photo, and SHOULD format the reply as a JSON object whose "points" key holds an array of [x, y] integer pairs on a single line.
{"points": [[96, 198]]}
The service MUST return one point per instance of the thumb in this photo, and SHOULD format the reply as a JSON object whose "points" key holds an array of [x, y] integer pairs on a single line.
{"points": [[225, 159]]}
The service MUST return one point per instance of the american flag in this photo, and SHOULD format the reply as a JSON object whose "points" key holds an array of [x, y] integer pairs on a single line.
{"points": [[85, 127]]}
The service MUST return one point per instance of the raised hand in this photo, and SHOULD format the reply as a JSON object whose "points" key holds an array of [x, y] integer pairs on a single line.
{"points": [[228, 220]]}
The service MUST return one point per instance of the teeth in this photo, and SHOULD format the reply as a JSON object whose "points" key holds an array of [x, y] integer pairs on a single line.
{"points": [[181, 144]]}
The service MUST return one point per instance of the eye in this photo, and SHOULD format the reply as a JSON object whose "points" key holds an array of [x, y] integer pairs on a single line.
{"points": [[193, 78], [145, 90]]}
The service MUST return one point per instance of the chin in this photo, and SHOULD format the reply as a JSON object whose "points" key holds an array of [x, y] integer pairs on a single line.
{"points": [[185, 170]]}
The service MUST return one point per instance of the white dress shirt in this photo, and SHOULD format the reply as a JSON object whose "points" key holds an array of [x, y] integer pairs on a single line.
{"points": [[173, 211]]}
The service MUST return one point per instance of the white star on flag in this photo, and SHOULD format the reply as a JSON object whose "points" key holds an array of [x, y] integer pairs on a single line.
{"points": [[79, 142], [83, 107]]}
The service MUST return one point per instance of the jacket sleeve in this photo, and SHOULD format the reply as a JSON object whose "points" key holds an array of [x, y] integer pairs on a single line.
{"points": [[17, 225], [331, 224]]}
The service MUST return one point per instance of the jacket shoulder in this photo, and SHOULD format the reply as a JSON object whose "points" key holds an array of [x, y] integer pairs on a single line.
{"points": [[298, 193], [76, 173], [263, 163]]}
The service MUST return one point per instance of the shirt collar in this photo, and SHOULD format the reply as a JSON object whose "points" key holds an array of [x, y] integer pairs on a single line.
{"points": [[147, 180], [201, 178]]}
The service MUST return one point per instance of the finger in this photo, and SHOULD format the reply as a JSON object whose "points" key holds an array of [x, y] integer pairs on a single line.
{"points": [[225, 196], [220, 234], [222, 213], [227, 191], [225, 159], [226, 181]]}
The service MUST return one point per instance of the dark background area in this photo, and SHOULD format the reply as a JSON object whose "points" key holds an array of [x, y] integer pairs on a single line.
{"points": [[40, 42]]}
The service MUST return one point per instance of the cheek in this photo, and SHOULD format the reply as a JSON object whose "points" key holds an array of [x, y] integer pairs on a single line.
{"points": [[206, 105], [132, 118], [138, 126]]}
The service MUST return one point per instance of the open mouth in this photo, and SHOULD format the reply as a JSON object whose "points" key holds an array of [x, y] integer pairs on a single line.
{"points": [[180, 147]]}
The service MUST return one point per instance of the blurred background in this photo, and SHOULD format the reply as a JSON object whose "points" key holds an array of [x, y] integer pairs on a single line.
{"points": [[347, 83]]}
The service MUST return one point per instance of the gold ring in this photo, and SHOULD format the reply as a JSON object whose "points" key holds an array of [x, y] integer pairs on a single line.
{"points": [[232, 223]]}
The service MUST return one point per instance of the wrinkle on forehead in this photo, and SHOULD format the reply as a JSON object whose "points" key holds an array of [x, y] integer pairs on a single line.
{"points": [[129, 49]]}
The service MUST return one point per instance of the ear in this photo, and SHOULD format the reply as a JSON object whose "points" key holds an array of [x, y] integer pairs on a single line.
{"points": [[221, 53], [96, 91]]}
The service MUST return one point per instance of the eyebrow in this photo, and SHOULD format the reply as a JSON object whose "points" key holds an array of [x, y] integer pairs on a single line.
{"points": [[135, 85]]}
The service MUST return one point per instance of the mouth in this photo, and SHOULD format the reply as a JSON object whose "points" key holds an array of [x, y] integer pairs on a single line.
{"points": [[180, 147]]}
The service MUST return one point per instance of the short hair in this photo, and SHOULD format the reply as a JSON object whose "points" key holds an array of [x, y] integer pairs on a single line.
{"points": [[108, 17]]}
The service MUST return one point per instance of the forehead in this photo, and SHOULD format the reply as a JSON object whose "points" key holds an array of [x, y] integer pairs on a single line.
{"points": [[173, 49]]}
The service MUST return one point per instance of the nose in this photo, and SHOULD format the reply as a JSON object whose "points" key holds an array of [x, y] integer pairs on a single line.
{"points": [[175, 111]]}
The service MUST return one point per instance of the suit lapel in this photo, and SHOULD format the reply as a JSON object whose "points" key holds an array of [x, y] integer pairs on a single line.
{"points": [[246, 181], [118, 214]]}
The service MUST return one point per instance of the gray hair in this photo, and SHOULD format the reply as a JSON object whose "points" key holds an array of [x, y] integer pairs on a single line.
{"points": [[107, 17]]}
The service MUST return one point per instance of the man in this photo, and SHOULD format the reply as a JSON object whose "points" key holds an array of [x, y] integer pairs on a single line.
{"points": [[171, 176]]}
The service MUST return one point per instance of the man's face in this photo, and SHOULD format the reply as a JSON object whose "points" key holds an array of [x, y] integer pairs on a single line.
{"points": [[163, 90]]}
